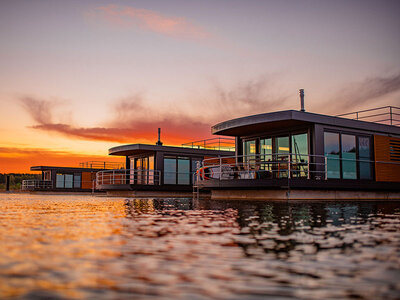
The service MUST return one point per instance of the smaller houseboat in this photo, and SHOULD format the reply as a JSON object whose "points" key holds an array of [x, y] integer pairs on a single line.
{"points": [[68, 179], [153, 170], [300, 155]]}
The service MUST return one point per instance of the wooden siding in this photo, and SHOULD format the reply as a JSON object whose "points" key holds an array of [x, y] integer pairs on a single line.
{"points": [[215, 160], [87, 179], [387, 149]]}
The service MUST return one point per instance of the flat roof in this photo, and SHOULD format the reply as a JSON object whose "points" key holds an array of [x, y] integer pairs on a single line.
{"points": [[71, 169], [135, 149], [288, 118]]}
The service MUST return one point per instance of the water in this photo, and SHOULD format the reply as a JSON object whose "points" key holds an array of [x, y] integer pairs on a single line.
{"points": [[84, 247]]}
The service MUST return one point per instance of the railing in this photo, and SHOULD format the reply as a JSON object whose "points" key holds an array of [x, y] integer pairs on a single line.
{"points": [[288, 165], [126, 176], [225, 144], [389, 115], [36, 184], [264, 166], [101, 165]]}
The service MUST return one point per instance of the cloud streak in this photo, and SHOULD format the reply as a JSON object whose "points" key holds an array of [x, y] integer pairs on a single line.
{"points": [[128, 17], [366, 91], [130, 123]]}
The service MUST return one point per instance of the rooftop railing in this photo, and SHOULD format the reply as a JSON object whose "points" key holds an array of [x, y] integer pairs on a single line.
{"points": [[389, 115], [101, 165], [224, 144]]}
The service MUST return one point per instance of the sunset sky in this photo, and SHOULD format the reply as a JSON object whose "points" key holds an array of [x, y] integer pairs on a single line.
{"points": [[79, 77]]}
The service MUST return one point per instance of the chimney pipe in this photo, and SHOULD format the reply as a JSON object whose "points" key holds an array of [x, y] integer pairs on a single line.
{"points": [[302, 100], [159, 143]]}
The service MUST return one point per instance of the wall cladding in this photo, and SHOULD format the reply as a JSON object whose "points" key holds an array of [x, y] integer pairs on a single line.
{"points": [[387, 154]]}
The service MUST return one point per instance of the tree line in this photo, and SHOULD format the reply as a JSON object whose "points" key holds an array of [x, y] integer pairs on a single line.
{"points": [[16, 179]]}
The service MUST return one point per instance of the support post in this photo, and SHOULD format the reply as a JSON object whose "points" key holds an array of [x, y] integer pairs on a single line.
{"points": [[7, 183]]}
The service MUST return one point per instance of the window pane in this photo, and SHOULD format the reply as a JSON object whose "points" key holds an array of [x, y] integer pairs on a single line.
{"points": [[249, 151], [282, 151], [331, 142], [77, 181], [300, 155], [60, 181], [364, 152], [69, 178], [151, 170], [183, 171], [169, 170], [349, 164], [266, 154]]}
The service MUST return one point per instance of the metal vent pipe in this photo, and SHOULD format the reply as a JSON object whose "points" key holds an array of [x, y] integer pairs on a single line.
{"points": [[159, 137], [302, 100]]}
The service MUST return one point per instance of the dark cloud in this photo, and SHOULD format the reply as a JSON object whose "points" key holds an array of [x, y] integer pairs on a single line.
{"points": [[365, 92], [246, 98]]}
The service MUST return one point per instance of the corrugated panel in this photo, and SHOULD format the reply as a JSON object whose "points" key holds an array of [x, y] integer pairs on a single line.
{"points": [[387, 149]]}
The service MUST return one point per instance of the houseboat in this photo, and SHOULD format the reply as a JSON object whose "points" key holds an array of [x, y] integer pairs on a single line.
{"points": [[68, 179], [301, 155], [153, 170]]}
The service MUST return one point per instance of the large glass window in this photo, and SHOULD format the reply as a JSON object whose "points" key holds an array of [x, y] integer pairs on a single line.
{"points": [[266, 154], [60, 181], [364, 154], [69, 181], [349, 163], [332, 152], [183, 171], [282, 150], [300, 155], [169, 170], [249, 151], [77, 181]]}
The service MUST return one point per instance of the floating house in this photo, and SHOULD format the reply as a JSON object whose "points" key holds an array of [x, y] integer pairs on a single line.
{"points": [[68, 179], [152, 170], [300, 155]]}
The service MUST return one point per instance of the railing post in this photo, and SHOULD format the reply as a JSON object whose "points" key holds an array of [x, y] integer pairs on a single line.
{"points": [[308, 166], [220, 167], [357, 115], [289, 166], [391, 119], [326, 167]]}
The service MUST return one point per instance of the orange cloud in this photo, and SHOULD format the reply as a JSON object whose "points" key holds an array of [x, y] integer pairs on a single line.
{"points": [[129, 124], [19, 160], [144, 19]]}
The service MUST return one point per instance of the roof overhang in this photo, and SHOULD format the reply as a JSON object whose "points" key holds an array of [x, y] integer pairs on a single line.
{"points": [[138, 149]]}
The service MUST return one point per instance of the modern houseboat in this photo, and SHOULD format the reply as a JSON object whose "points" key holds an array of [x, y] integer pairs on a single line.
{"points": [[300, 155], [68, 179], [152, 170]]}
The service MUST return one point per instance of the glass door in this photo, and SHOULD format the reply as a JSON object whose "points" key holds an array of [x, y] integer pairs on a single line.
{"points": [[281, 158], [249, 152]]}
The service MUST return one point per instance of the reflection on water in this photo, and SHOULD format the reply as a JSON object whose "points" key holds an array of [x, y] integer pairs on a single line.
{"points": [[75, 247]]}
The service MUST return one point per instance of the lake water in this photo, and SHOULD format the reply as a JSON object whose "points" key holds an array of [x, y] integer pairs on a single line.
{"points": [[85, 247]]}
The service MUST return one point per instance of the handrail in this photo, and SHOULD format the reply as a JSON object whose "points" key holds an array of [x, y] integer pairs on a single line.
{"points": [[220, 143], [101, 165], [36, 184], [390, 115], [128, 176], [287, 165]]}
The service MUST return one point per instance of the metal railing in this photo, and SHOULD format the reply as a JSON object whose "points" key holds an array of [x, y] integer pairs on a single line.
{"points": [[264, 166], [389, 115], [36, 184], [288, 165], [101, 165], [126, 176], [224, 144]]}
